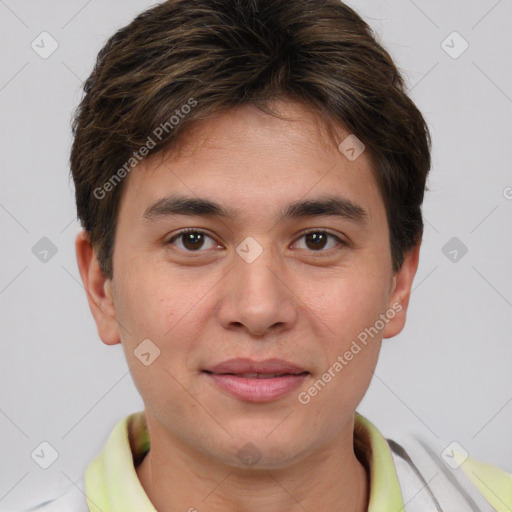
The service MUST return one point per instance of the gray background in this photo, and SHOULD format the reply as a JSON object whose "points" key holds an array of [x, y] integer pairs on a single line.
{"points": [[449, 371]]}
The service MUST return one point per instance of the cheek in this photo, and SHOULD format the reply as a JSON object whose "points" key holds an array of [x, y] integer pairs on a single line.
{"points": [[150, 302], [345, 312], [151, 310], [167, 315], [347, 304]]}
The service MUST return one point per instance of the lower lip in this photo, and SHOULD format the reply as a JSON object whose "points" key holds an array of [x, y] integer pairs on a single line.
{"points": [[257, 390]]}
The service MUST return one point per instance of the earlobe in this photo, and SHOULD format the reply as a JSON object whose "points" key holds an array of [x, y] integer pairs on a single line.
{"points": [[401, 292], [99, 290]]}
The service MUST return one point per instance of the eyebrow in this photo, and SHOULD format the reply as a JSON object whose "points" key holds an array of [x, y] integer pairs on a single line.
{"points": [[330, 205]]}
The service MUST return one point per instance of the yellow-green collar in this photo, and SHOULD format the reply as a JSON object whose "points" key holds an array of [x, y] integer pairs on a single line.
{"points": [[385, 493]]}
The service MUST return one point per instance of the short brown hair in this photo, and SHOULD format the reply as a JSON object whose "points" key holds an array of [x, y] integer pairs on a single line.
{"points": [[216, 55]]}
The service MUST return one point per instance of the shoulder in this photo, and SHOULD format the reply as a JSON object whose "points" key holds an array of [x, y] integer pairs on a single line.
{"points": [[493, 482], [442, 476]]}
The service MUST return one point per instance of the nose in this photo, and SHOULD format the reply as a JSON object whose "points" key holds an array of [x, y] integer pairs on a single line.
{"points": [[256, 296]]}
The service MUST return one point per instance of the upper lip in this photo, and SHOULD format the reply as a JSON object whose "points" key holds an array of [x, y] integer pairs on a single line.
{"points": [[244, 365]]}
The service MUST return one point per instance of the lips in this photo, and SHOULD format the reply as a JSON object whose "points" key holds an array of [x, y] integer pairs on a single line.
{"points": [[259, 375], [240, 366], [255, 381]]}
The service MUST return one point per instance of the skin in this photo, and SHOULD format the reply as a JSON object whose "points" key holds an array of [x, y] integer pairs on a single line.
{"points": [[295, 302]]}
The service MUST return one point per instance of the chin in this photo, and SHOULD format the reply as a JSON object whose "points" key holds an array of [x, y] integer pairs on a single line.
{"points": [[260, 452]]}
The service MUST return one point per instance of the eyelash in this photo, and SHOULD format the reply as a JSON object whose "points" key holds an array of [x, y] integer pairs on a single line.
{"points": [[196, 230]]}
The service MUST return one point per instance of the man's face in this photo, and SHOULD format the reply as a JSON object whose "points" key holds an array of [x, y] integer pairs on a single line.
{"points": [[254, 286]]}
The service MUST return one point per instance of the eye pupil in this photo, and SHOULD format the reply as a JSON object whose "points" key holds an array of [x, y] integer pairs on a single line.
{"points": [[193, 240], [318, 240]]}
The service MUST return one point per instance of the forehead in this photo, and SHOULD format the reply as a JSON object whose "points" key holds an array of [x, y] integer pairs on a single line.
{"points": [[248, 158], [296, 128]]}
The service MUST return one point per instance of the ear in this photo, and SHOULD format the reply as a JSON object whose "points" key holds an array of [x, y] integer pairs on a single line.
{"points": [[98, 289], [401, 292]]}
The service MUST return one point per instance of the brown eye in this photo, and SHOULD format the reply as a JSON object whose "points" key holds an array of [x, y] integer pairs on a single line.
{"points": [[192, 240], [319, 240], [316, 240]]}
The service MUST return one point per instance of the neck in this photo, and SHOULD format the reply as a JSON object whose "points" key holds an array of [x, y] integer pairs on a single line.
{"points": [[176, 478]]}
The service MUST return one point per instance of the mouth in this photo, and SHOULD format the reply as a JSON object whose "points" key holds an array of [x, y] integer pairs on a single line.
{"points": [[257, 375], [253, 381]]}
